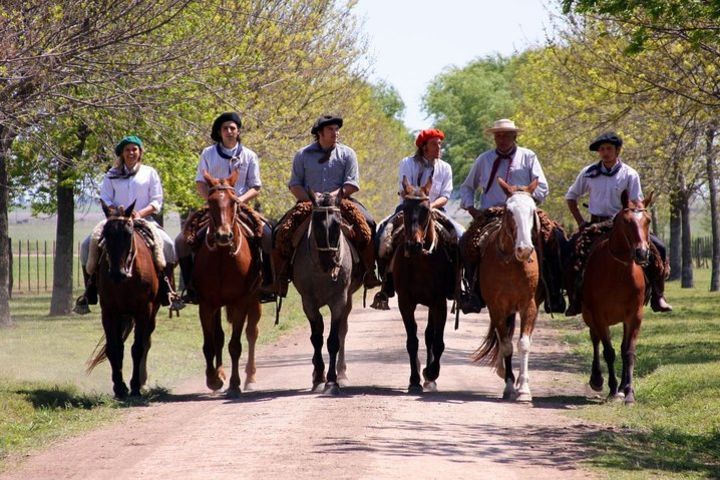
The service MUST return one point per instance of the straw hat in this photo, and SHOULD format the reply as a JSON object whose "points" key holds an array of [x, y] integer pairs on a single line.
{"points": [[503, 125]]}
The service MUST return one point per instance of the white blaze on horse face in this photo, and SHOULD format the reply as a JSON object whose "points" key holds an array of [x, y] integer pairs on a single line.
{"points": [[523, 208]]}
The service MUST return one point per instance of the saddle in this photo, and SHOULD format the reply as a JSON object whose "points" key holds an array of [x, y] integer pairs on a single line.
{"points": [[195, 227], [474, 243], [148, 232], [392, 235]]}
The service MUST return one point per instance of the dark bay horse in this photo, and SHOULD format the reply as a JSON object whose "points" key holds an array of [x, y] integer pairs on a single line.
{"points": [[128, 284], [226, 274], [614, 292], [509, 275], [423, 275], [326, 272]]}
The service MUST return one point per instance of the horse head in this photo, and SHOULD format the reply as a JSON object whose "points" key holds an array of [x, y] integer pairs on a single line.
{"points": [[520, 216], [417, 218], [222, 208], [325, 226], [117, 235], [631, 230]]}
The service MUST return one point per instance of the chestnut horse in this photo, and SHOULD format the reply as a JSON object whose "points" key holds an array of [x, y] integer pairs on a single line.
{"points": [[128, 285], [508, 274], [614, 292], [226, 274], [423, 274]]}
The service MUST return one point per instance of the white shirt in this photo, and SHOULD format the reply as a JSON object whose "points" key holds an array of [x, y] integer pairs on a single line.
{"points": [[244, 160], [418, 174], [605, 191], [143, 188], [524, 168]]}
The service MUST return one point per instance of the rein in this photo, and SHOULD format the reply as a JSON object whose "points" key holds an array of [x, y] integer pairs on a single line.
{"points": [[234, 222]]}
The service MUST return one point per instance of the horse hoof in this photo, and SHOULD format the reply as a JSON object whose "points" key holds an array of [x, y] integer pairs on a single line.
{"points": [[618, 397], [135, 394], [596, 384], [233, 393], [344, 382], [524, 398], [317, 387], [415, 389], [430, 386], [214, 384], [121, 392], [332, 388], [250, 386], [509, 395]]}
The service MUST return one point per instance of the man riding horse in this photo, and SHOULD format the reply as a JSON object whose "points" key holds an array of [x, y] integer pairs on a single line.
{"points": [[130, 181], [325, 166], [417, 169], [605, 182], [517, 166], [228, 154]]}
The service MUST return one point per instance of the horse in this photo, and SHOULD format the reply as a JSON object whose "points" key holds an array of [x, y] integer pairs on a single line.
{"points": [[614, 292], [227, 273], [509, 274], [128, 286], [423, 274], [326, 271]]}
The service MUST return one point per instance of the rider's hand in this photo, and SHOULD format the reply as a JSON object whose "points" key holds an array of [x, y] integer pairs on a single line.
{"points": [[474, 212]]}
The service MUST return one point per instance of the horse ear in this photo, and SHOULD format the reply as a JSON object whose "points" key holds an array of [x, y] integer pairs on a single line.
{"points": [[209, 179], [505, 186], [233, 177], [105, 209], [427, 187], [129, 210], [649, 199], [624, 199], [533, 185]]}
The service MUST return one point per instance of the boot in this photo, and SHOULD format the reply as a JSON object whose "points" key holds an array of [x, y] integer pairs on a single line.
{"points": [[283, 272], [470, 299], [370, 280], [186, 271], [387, 290], [574, 297], [267, 287], [656, 275], [89, 297]]}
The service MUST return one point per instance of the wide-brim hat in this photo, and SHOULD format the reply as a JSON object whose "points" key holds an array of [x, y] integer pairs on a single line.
{"points": [[324, 121], [503, 125], [222, 118], [130, 139], [607, 137]]}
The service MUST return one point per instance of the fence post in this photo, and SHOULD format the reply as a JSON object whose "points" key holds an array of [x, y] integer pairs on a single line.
{"points": [[20, 264], [28, 266], [45, 262], [37, 263]]}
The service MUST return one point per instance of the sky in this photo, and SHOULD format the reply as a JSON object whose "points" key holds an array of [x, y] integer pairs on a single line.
{"points": [[412, 41]]}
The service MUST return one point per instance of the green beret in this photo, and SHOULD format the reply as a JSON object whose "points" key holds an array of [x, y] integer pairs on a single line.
{"points": [[127, 141]]}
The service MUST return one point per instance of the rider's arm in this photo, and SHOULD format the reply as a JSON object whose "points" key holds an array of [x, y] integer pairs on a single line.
{"points": [[575, 211], [202, 189], [468, 187], [250, 194], [299, 192], [576, 190], [349, 189], [444, 177]]}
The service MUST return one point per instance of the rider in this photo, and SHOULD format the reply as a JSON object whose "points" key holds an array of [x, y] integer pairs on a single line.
{"points": [[129, 180], [219, 160], [426, 163], [605, 181], [517, 166], [327, 166]]}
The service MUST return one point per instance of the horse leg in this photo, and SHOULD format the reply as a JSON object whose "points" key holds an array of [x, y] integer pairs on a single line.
{"points": [[144, 326], [527, 325], [407, 310], [435, 344], [236, 316], [596, 378], [609, 355], [630, 336], [337, 315], [219, 344], [317, 328], [113, 327], [505, 335], [251, 333], [209, 318], [341, 365]]}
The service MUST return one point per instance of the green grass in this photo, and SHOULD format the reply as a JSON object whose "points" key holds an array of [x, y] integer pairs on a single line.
{"points": [[45, 393], [673, 431]]}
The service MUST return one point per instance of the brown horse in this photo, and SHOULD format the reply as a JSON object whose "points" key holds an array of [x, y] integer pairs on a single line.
{"points": [[128, 285], [423, 274], [226, 274], [508, 275], [614, 292]]}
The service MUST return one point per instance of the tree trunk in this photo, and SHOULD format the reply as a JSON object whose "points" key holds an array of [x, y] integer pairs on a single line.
{"points": [[710, 135], [6, 139], [675, 237], [62, 297], [686, 281]]}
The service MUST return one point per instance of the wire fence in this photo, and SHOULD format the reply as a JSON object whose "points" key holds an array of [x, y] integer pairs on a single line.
{"points": [[31, 266]]}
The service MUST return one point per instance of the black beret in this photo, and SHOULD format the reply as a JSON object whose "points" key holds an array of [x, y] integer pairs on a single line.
{"points": [[607, 137], [224, 117], [324, 121]]}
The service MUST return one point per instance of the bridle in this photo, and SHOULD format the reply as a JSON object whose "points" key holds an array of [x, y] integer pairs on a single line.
{"points": [[507, 257], [328, 211], [428, 227], [212, 227], [132, 252], [615, 255]]}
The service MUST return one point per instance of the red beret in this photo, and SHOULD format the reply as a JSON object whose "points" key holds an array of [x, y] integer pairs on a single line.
{"points": [[426, 135]]}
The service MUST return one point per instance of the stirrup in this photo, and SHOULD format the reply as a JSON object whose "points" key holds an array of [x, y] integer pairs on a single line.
{"points": [[380, 301], [189, 297], [370, 280], [81, 305], [470, 303]]}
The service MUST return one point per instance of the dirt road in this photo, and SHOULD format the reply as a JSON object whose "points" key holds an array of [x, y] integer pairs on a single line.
{"points": [[372, 430]]}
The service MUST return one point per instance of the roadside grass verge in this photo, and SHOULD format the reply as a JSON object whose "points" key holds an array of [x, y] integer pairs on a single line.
{"points": [[673, 431]]}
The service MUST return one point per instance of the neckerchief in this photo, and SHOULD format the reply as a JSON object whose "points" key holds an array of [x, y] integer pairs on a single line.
{"points": [[424, 162], [597, 170], [327, 153], [496, 164], [224, 155], [123, 172]]}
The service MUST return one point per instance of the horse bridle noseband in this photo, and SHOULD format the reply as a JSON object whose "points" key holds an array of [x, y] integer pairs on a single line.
{"points": [[210, 247], [613, 254]]}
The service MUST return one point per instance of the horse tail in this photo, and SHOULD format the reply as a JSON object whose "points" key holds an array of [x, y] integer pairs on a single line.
{"points": [[99, 353], [489, 350]]}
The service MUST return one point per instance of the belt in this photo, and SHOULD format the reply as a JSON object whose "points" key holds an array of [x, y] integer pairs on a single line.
{"points": [[598, 218]]}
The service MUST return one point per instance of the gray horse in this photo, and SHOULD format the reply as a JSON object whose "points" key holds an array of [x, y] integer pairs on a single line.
{"points": [[326, 272]]}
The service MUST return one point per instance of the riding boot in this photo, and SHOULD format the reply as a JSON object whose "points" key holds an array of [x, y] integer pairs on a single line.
{"points": [[283, 272], [186, 271], [267, 288], [387, 289], [367, 255], [574, 295], [89, 297], [656, 275], [470, 300], [168, 295]]}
